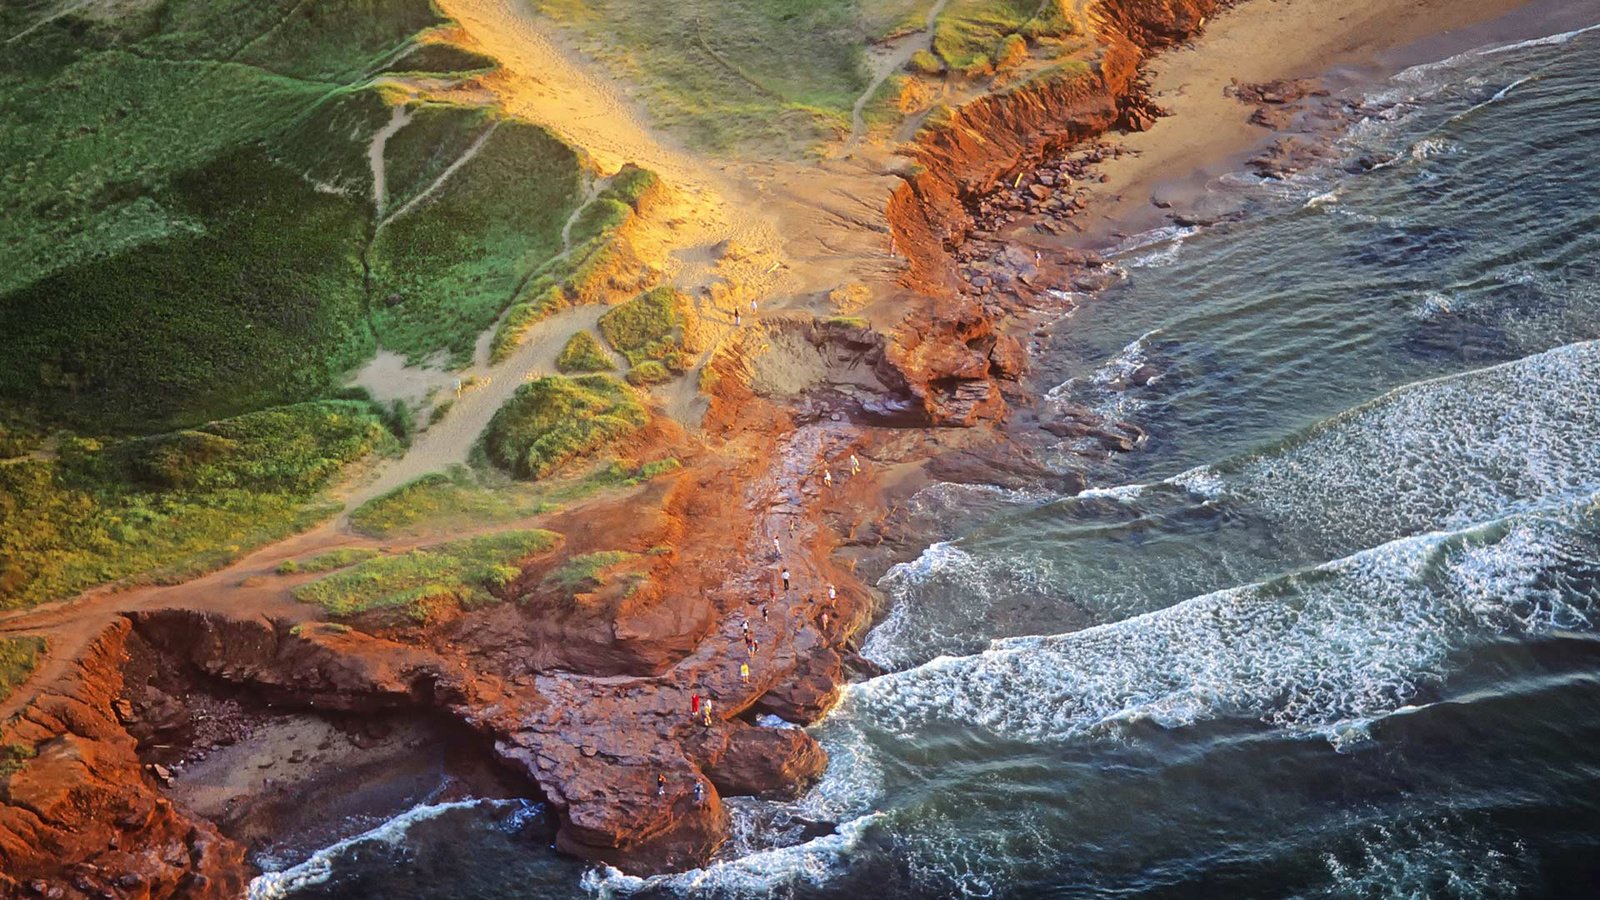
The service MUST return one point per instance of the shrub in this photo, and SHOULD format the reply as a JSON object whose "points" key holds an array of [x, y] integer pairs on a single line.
{"points": [[648, 327], [581, 574], [1013, 50], [172, 505], [18, 657], [647, 373], [925, 63], [419, 584], [633, 186], [583, 354], [552, 420]]}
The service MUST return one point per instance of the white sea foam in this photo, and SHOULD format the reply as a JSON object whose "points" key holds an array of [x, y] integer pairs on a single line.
{"points": [[1442, 454], [760, 874], [320, 866], [1331, 646], [1428, 857]]}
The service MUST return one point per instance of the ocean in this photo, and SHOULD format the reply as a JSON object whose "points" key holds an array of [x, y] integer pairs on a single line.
{"points": [[1332, 630]]}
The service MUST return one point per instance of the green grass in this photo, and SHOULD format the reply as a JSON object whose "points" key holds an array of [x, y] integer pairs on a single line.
{"points": [[554, 420], [446, 500], [769, 75], [520, 317], [327, 562], [466, 574], [971, 36], [632, 185], [185, 208], [18, 656], [442, 272], [174, 505], [583, 354], [13, 756], [649, 328], [581, 574]]}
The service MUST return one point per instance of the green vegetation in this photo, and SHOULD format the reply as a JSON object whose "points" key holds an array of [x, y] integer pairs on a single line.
{"points": [[583, 354], [975, 36], [632, 185], [186, 206], [327, 562], [649, 328], [13, 755], [647, 373], [522, 316], [774, 75], [422, 583], [18, 656], [924, 62], [445, 500], [848, 321], [455, 253], [553, 420], [581, 574], [175, 504]]}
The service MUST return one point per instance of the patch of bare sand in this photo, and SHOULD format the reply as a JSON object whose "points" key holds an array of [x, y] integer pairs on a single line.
{"points": [[1209, 133]]}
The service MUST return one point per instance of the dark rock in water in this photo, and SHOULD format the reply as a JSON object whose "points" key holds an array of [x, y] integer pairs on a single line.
{"points": [[1143, 375], [1004, 465], [1073, 483]]}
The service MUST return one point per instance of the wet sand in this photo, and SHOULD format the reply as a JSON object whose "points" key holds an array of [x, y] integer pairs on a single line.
{"points": [[1339, 45]]}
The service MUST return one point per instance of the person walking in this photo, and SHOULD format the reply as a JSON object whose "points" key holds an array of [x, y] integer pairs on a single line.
{"points": [[699, 793], [832, 594], [827, 477], [694, 705], [785, 578], [736, 320], [661, 784], [855, 465], [824, 620], [705, 709], [744, 671], [763, 612], [777, 549]]}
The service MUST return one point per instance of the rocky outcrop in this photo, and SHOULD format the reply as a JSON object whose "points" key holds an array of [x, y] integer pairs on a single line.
{"points": [[79, 815], [962, 155]]}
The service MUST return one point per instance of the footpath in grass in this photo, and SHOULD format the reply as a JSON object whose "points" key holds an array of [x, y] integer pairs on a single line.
{"points": [[175, 505], [422, 584], [187, 207]]}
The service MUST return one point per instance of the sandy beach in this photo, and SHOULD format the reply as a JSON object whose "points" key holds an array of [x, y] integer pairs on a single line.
{"points": [[1209, 134]]}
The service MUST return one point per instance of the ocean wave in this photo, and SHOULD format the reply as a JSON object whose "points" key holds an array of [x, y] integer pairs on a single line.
{"points": [[1314, 651], [319, 868], [1421, 856], [760, 874]]}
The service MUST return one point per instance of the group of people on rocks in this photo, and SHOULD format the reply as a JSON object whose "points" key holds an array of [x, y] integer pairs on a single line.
{"points": [[700, 706]]}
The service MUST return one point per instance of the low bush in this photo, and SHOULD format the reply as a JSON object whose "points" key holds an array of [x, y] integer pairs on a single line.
{"points": [[583, 354], [647, 373], [581, 574], [463, 574], [551, 421], [18, 657], [648, 327]]}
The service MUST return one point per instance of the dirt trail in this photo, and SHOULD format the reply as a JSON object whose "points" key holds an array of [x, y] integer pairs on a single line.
{"points": [[450, 440], [399, 117], [885, 60], [444, 176]]}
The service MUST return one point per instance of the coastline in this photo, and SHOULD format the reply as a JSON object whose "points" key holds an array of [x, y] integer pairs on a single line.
{"points": [[1207, 135]]}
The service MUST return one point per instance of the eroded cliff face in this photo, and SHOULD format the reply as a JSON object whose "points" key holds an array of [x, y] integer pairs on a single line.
{"points": [[81, 817], [949, 348]]}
